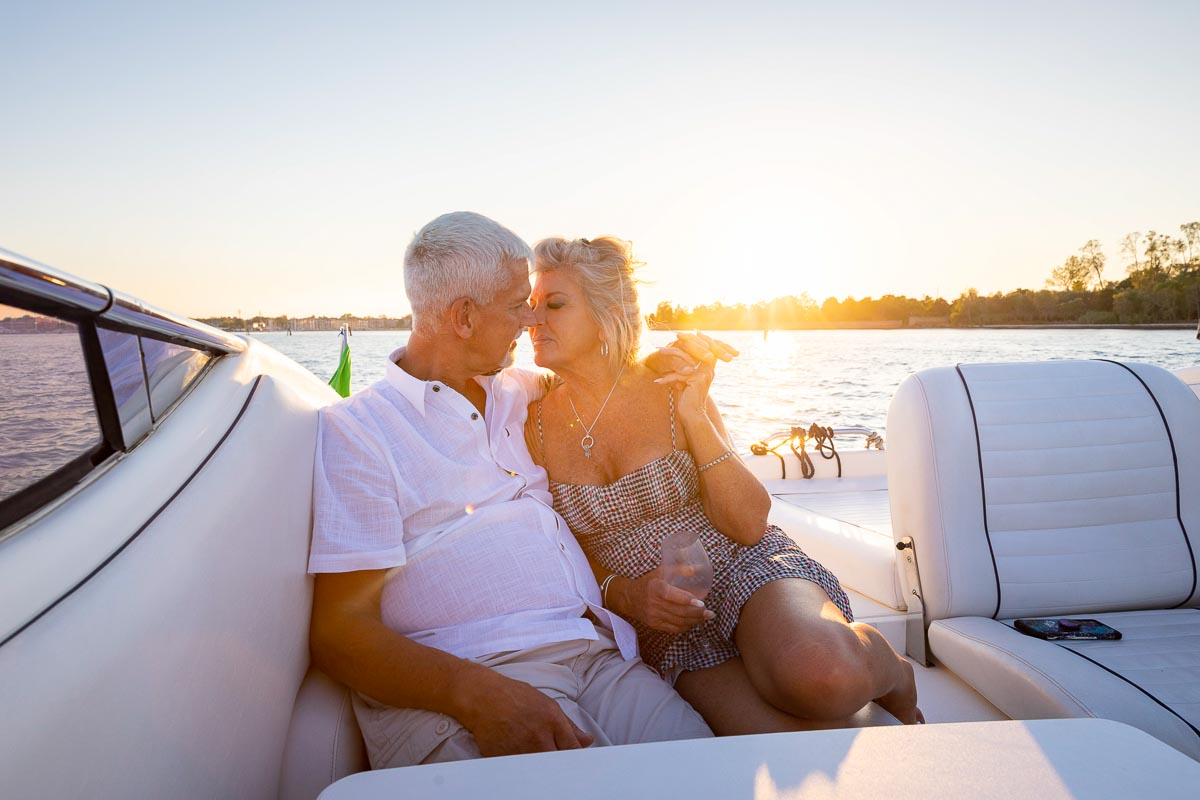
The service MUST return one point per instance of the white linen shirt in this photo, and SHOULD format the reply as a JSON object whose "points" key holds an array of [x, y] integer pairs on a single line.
{"points": [[410, 477]]}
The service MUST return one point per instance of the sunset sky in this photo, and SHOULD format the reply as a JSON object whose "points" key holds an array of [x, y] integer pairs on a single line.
{"points": [[275, 158]]}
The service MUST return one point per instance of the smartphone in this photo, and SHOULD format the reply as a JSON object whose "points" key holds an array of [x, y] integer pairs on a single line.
{"points": [[1066, 628]]}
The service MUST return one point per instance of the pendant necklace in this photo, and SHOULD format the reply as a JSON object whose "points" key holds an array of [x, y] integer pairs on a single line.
{"points": [[588, 441]]}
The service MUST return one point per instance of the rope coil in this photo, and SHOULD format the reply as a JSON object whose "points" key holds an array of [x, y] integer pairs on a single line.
{"points": [[797, 440]]}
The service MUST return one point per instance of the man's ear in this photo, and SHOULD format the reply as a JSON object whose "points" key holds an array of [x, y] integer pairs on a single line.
{"points": [[463, 316]]}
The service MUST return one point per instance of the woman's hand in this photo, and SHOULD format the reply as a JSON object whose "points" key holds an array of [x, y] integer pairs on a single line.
{"points": [[680, 357], [692, 400], [657, 604]]}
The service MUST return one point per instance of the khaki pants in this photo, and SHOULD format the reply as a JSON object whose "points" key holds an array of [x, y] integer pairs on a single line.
{"points": [[617, 701]]}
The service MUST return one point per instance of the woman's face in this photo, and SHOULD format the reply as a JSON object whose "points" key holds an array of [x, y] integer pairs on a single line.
{"points": [[563, 331]]}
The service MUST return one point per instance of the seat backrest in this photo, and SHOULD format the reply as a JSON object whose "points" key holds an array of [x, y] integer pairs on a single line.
{"points": [[324, 742], [1047, 488]]}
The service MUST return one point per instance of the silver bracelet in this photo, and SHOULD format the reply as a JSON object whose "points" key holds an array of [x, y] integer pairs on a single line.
{"points": [[604, 589], [715, 461]]}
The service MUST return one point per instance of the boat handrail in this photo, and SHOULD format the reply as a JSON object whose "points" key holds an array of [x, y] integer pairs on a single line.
{"points": [[82, 298], [872, 437]]}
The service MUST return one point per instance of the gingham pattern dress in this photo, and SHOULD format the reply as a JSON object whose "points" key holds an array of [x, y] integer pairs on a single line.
{"points": [[622, 525]]}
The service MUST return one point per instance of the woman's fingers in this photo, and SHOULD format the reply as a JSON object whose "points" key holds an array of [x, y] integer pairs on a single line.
{"points": [[674, 377], [697, 344], [676, 610]]}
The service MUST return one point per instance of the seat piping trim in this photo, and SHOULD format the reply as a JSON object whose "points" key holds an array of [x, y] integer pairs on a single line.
{"points": [[1195, 730], [1187, 540], [982, 487]]}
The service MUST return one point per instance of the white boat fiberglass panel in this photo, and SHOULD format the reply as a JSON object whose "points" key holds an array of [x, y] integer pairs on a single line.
{"points": [[843, 522], [172, 670], [1046, 759]]}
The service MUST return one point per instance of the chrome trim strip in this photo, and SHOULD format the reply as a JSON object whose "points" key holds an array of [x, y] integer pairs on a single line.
{"points": [[123, 311], [29, 277]]}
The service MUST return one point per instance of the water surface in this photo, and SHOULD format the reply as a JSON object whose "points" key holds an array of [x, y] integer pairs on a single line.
{"points": [[831, 377]]}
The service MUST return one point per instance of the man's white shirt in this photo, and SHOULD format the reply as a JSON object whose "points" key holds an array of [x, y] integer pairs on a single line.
{"points": [[410, 477]]}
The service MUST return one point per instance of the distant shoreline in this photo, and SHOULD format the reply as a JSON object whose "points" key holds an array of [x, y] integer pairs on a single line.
{"points": [[898, 326], [1148, 326]]}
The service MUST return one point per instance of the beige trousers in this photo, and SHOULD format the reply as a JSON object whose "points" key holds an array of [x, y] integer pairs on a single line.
{"points": [[617, 701]]}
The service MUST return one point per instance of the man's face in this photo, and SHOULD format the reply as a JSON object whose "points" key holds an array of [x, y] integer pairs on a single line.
{"points": [[503, 320]]}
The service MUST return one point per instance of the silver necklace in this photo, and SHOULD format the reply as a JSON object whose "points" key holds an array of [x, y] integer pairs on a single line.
{"points": [[588, 441]]}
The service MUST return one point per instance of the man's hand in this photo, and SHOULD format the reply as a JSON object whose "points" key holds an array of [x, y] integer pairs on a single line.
{"points": [[661, 606], [678, 360], [507, 717]]}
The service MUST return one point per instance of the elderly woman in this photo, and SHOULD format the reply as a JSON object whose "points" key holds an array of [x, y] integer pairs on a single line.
{"points": [[632, 458]]}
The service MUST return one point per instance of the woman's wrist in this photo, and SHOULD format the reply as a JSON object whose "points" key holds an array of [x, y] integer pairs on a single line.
{"points": [[613, 599]]}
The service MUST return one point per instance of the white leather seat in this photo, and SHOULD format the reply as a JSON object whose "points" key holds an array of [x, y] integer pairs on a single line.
{"points": [[1067, 488], [324, 743]]}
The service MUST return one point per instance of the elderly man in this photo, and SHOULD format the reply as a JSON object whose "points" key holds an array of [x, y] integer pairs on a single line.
{"points": [[449, 595]]}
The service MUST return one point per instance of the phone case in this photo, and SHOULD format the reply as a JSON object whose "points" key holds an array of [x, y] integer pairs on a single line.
{"points": [[1066, 628]]}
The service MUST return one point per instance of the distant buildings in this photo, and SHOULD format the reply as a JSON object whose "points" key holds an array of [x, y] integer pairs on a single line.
{"points": [[31, 324], [281, 324]]}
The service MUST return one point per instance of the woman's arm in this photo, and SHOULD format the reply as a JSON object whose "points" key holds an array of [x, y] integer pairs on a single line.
{"points": [[734, 500]]}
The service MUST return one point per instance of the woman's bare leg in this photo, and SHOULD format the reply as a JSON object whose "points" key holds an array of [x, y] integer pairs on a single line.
{"points": [[804, 659], [732, 706]]}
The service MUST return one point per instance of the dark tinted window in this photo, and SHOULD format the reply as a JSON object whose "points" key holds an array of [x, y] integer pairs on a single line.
{"points": [[123, 357], [47, 416], [170, 369]]}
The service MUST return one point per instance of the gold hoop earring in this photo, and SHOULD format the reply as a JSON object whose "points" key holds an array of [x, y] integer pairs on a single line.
{"points": [[604, 348]]}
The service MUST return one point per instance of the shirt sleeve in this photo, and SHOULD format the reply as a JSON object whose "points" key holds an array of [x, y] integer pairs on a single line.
{"points": [[357, 524], [534, 383]]}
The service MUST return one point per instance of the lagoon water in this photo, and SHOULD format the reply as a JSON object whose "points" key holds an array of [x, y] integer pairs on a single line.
{"points": [[833, 378]]}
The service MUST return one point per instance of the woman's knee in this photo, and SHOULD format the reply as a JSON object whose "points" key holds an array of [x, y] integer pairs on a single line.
{"points": [[820, 675]]}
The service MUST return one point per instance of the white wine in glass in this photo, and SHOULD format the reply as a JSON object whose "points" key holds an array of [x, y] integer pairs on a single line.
{"points": [[686, 565]]}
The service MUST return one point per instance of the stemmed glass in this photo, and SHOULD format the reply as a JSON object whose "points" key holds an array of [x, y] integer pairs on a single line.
{"points": [[686, 565]]}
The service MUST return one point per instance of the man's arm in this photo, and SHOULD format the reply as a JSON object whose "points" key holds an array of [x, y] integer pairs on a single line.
{"points": [[350, 643]]}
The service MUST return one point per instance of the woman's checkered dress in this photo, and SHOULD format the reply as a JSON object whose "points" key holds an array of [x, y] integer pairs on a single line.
{"points": [[622, 525]]}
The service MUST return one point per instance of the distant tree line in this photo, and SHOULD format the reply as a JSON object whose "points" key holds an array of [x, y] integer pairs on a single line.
{"points": [[1161, 285]]}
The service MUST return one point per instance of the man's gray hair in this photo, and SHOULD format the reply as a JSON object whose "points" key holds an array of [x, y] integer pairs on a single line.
{"points": [[460, 254]]}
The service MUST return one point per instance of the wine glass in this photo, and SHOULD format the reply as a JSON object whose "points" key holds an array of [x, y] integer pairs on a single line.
{"points": [[686, 565]]}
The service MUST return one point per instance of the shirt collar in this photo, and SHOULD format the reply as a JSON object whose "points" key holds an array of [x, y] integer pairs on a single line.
{"points": [[414, 389]]}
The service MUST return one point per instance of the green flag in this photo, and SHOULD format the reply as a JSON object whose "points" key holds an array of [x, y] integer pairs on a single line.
{"points": [[341, 377]]}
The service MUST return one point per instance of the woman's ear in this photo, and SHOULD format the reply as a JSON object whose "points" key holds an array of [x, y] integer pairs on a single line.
{"points": [[462, 315]]}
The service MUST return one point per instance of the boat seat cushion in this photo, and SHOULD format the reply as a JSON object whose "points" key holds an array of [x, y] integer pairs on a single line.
{"points": [[1150, 678], [324, 743]]}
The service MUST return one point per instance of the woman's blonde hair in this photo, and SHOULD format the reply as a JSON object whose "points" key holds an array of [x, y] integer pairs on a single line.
{"points": [[604, 268]]}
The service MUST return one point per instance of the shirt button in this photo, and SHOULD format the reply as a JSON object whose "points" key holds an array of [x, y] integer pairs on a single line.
{"points": [[562, 547], [437, 388], [442, 727], [474, 415]]}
